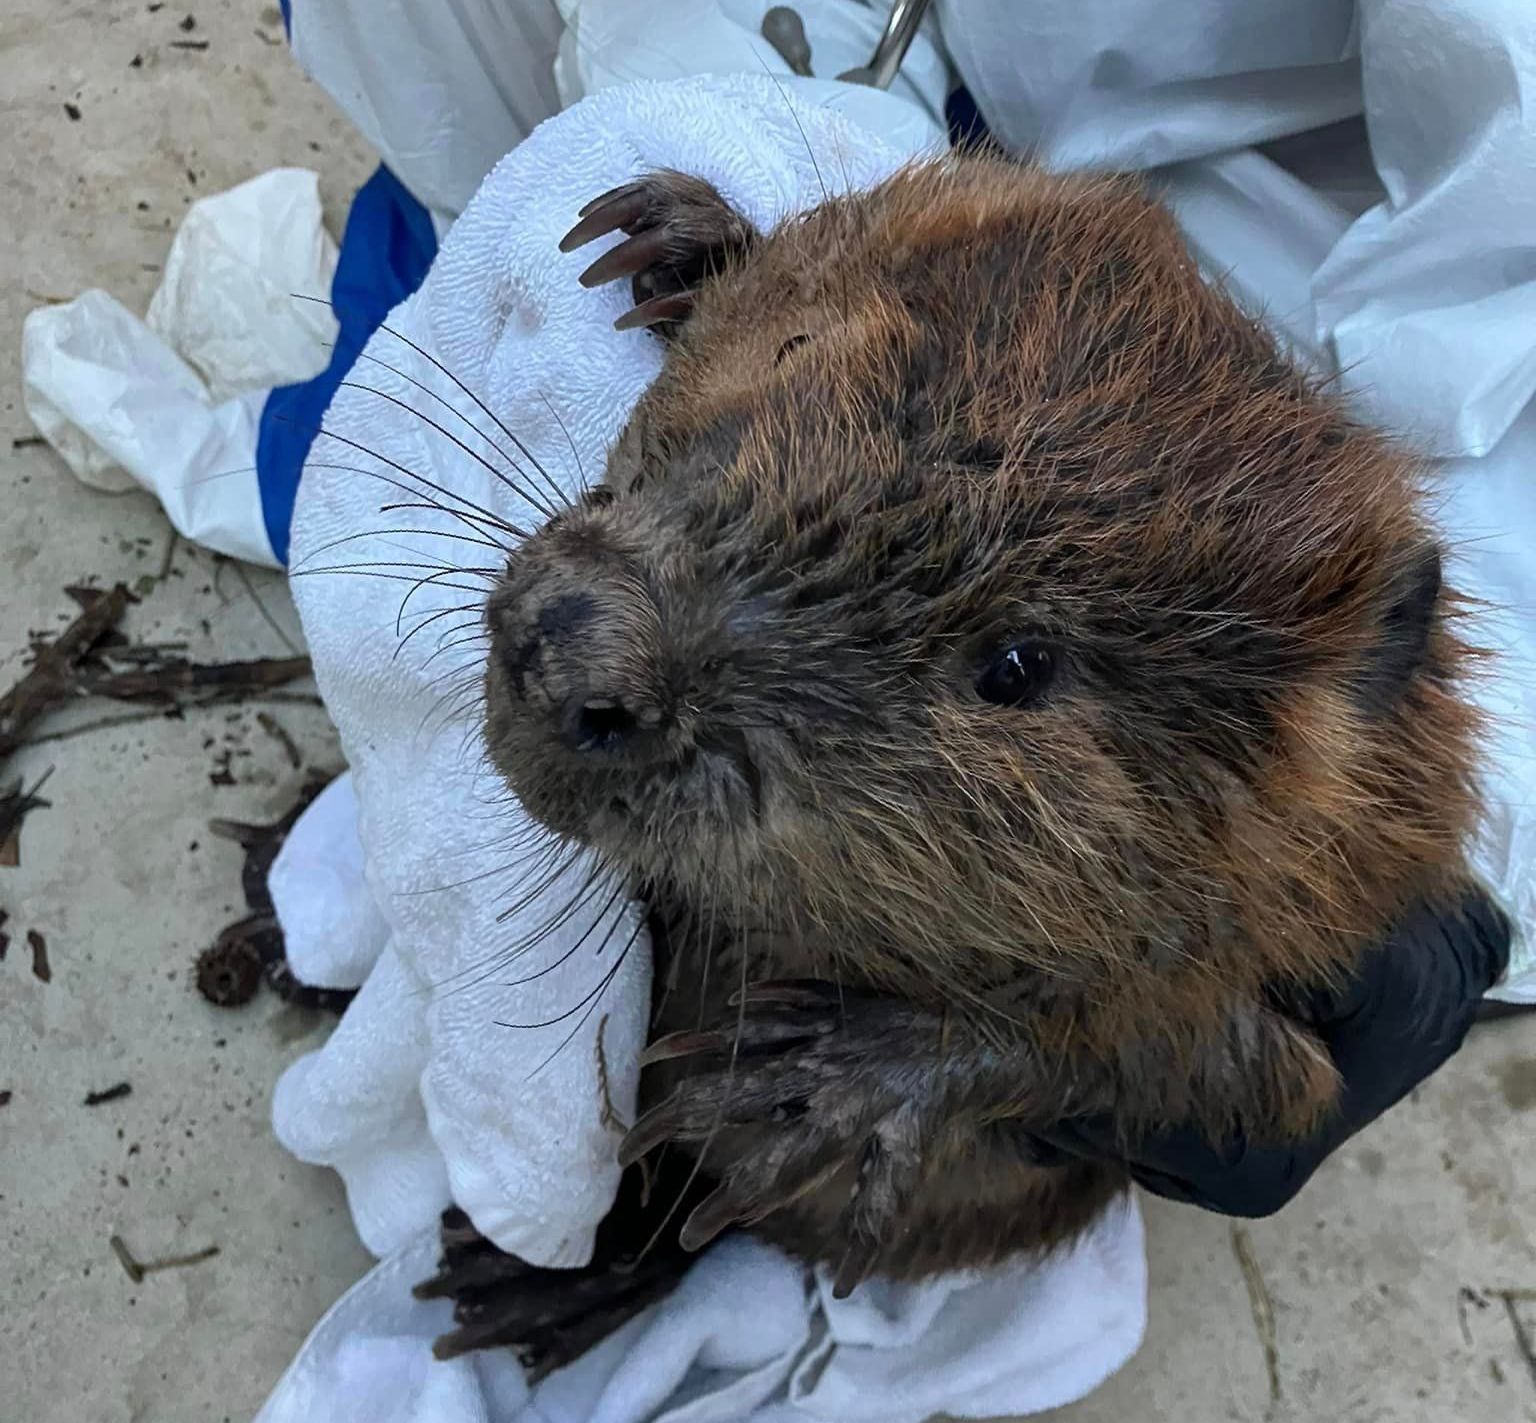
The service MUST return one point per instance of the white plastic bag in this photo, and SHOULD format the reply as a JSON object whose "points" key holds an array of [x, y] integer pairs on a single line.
{"points": [[173, 402], [227, 303]]}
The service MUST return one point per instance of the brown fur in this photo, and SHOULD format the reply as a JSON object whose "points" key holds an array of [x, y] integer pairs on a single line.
{"points": [[1020, 411]]}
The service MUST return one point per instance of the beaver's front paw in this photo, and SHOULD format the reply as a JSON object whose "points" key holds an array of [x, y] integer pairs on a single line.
{"points": [[680, 231], [810, 1082]]}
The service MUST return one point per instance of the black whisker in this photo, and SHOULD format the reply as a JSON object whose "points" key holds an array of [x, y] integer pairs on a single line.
{"points": [[427, 620], [592, 1008], [447, 405], [425, 582], [472, 521], [318, 431], [424, 533], [590, 1002], [581, 474], [443, 647], [586, 934], [479, 403], [387, 577], [528, 494]]}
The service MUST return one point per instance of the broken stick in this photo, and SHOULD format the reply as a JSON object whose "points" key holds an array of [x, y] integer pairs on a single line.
{"points": [[178, 675], [47, 680]]}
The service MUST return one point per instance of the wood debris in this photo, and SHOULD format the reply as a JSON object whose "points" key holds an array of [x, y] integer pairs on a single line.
{"points": [[47, 683], [136, 1269], [41, 969], [16, 804], [252, 948], [91, 658]]}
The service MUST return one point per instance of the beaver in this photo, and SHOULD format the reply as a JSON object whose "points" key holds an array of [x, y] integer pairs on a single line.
{"points": [[1005, 673]]}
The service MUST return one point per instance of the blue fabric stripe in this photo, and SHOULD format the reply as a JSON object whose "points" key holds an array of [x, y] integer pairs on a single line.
{"points": [[286, 6], [386, 250]]}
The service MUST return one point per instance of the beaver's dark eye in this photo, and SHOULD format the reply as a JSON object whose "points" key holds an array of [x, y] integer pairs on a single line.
{"points": [[1018, 676]]}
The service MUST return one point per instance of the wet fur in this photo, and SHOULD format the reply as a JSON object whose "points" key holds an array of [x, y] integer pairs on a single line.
{"points": [[890, 437]]}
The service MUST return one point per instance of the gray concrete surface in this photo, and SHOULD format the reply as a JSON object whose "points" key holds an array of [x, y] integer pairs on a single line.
{"points": [[1397, 1290]]}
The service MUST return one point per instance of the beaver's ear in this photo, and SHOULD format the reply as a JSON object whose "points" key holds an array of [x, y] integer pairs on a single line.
{"points": [[1403, 632]]}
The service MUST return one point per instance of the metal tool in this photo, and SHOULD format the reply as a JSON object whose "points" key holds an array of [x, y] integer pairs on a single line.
{"points": [[783, 29], [900, 30]]}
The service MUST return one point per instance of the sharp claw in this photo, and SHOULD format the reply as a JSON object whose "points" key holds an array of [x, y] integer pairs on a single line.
{"points": [[612, 195], [656, 1126], [673, 307], [854, 1267], [624, 260], [684, 1044], [786, 993], [712, 1215], [619, 209]]}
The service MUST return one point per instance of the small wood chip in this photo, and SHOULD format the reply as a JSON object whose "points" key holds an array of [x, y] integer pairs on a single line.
{"points": [[16, 804], [41, 969], [137, 1269], [279, 733], [131, 1267], [114, 1093]]}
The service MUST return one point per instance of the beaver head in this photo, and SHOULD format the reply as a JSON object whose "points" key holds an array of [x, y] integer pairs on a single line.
{"points": [[977, 587]]}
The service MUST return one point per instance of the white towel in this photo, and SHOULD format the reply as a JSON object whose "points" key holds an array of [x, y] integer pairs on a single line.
{"points": [[420, 1097], [744, 1341]]}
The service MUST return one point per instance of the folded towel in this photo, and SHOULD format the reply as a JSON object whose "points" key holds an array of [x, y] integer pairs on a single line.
{"points": [[424, 1094], [745, 1340]]}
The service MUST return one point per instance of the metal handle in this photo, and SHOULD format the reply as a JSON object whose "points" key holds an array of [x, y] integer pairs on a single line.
{"points": [[900, 31], [783, 29]]}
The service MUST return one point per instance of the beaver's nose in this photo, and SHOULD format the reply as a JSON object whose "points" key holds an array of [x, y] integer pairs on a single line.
{"points": [[586, 665], [595, 722]]}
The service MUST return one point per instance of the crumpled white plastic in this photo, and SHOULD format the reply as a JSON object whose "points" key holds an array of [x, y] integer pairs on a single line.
{"points": [[1426, 303], [172, 402], [226, 300], [1135, 84], [441, 89], [1429, 299]]}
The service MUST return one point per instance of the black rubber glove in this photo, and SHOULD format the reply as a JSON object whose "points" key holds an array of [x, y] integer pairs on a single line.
{"points": [[1399, 1019]]}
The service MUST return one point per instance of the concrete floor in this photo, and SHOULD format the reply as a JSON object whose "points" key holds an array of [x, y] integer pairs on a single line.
{"points": [[1402, 1287]]}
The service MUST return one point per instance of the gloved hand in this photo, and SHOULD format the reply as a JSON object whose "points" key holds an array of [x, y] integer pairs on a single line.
{"points": [[1403, 1014]]}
